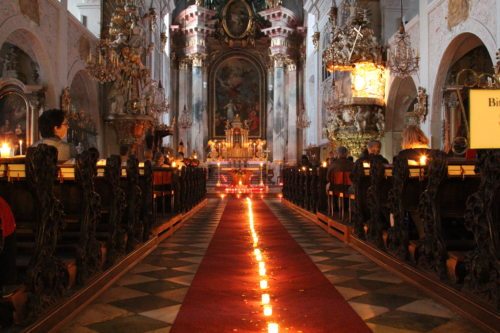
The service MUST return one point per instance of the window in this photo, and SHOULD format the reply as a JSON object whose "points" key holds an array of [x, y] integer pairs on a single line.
{"points": [[84, 20]]}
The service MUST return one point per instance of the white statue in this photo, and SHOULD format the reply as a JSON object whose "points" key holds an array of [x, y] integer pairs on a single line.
{"points": [[380, 121], [230, 107]]}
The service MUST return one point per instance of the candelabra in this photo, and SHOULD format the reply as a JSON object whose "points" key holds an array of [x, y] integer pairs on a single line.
{"points": [[402, 59], [185, 119], [303, 120]]}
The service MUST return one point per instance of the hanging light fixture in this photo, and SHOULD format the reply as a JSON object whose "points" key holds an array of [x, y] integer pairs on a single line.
{"points": [[402, 58], [185, 119], [303, 120]]}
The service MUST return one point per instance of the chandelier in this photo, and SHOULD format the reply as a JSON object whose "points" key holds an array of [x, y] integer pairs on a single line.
{"points": [[118, 59], [351, 39], [185, 119], [402, 59], [104, 65], [303, 120]]}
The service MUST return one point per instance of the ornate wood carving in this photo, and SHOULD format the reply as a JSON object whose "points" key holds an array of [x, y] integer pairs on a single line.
{"points": [[377, 223], [483, 219], [89, 256], [432, 252], [147, 206], [358, 215], [134, 226], [116, 243], [47, 277], [398, 237]]}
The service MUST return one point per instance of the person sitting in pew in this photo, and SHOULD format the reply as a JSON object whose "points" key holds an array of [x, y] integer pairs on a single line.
{"points": [[53, 127], [373, 148], [414, 143]]}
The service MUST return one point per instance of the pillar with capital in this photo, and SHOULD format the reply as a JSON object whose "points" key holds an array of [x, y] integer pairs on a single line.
{"points": [[283, 26], [292, 99], [199, 129], [184, 104]]}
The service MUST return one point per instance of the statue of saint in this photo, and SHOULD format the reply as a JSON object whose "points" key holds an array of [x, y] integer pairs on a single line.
{"points": [[65, 100]]}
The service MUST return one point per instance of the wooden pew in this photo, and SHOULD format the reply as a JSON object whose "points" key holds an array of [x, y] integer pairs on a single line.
{"points": [[28, 187], [482, 218], [442, 209], [377, 198], [360, 212], [408, 183], [113, 205]]}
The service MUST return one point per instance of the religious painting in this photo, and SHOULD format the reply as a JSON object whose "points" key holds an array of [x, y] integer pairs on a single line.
{"points": [[237, 88], [13, 120], [237, 18]]}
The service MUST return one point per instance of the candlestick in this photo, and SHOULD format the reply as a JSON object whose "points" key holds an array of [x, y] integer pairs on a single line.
{"points": [[20, 147]]}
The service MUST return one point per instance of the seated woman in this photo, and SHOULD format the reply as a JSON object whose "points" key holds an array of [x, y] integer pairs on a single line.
{"points": [[414, 143], [53, 127]]}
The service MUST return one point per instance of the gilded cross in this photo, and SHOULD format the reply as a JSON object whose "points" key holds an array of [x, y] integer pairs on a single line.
{"points": [[358, 34]]}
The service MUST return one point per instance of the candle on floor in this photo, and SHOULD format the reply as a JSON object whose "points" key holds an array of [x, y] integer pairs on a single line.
{"points": [[266, 299], [268, 310], [272, 328], [263, 284]]}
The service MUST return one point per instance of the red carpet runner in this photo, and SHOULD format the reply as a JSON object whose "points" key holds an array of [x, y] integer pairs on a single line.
{"points": [[224, 295]]}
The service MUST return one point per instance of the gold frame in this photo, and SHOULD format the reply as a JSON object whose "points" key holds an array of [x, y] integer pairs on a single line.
{"points": [[249, 24]]}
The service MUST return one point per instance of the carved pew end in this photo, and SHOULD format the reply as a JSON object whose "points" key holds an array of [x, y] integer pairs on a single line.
{"points": [[456, 267]]}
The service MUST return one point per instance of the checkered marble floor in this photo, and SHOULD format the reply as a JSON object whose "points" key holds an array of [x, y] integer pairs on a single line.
{"points": [[148, 297], [381, 299]]}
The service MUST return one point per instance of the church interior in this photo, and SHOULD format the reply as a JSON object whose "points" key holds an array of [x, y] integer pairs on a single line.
{"points": [[198, 166]]}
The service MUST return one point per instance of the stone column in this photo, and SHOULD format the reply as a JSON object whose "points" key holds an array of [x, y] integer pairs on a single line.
{"points": [[279, 113], [173, 93], [269, 109], [197, 130], [184, 101], [291, 147]]}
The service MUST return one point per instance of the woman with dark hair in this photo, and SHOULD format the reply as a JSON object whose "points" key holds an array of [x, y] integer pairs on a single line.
{"points": [[53, 127]]}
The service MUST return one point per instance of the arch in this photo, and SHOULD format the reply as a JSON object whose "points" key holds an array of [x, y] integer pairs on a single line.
{"points": [[460, 45], [18, 31], [401, 97]]}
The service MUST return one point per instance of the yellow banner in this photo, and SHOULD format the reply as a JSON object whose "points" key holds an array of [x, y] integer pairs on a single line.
{"points": [[484, 118]]}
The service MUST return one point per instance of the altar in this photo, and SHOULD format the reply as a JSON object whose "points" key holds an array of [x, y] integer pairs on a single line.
{"points": [[237, 147]]}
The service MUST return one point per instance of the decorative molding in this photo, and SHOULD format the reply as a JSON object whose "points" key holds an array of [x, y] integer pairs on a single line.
{"points": [[197, 59]]}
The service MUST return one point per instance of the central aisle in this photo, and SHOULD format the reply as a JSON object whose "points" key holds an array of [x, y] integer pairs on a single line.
{"points": [[225, 296]]}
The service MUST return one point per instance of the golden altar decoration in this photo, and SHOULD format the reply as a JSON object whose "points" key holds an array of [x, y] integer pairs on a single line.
{"points": [[241, 177], [237, 143]]}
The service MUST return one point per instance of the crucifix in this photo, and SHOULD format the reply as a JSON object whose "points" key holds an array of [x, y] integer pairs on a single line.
{"points": [[358, 34]]}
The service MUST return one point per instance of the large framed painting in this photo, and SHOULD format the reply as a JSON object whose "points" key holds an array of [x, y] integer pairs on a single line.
{"points": [[237, 88], [14, 119], [237, 19]]}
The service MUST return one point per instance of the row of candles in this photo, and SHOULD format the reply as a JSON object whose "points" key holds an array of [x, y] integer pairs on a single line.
{"points": [[7, 151], [272, 327]]}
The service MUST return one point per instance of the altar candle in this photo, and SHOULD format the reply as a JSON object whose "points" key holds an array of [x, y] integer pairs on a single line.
{"points": [[266, 299], [272, 328], [20, 147], [262, 271], [263, 284], [5, 150], [268, 310]]}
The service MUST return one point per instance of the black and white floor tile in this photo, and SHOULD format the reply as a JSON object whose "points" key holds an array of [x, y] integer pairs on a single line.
{"points": [[149, 296], [385, 302]]}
